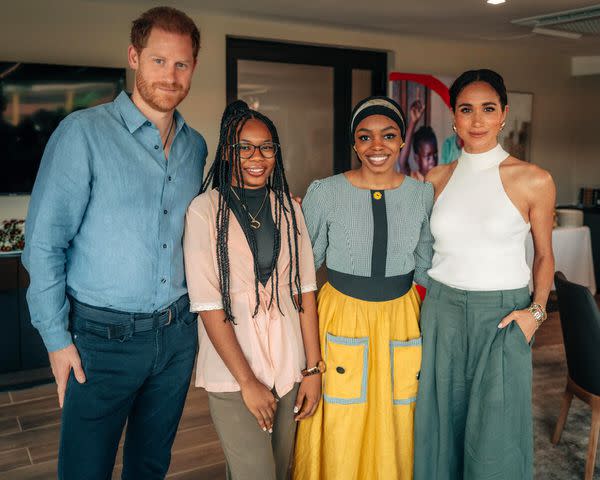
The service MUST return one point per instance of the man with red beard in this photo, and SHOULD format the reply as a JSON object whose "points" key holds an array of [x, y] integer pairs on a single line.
{"points": [[104, 253]]}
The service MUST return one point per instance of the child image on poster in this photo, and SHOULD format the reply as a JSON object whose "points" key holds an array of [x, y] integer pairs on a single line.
{"points": [[423, 144], [425, 152], [429, 137]]}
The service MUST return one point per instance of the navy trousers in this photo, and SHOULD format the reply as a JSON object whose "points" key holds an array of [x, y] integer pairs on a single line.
{"points": [[138, 377]]}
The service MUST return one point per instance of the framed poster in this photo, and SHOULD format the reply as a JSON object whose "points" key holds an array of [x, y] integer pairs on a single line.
{"points": [[425, 100], [515, 137]]}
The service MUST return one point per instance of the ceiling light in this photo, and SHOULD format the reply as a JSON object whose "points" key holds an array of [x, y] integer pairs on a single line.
{"points": [[556, 33], [495, 2]]}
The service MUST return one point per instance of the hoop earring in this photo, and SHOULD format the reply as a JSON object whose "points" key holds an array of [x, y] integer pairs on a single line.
{"points": [[454, 128], [402, 146], [502, 125]]}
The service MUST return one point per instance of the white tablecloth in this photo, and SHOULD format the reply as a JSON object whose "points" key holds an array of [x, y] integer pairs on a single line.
{"points": [[572, 248]]}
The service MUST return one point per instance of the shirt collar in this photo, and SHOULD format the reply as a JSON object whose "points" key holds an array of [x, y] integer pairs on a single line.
{"points": [[134, 118], [179, 122]]}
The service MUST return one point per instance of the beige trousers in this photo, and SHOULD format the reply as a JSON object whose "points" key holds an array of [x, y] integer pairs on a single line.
{"points": [[252, 454]]}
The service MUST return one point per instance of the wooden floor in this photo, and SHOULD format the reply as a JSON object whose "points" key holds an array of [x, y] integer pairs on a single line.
{"points": [[30, 425]]}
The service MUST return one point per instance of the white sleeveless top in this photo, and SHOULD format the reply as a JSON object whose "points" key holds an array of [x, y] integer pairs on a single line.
{"points": [[479, 234]]}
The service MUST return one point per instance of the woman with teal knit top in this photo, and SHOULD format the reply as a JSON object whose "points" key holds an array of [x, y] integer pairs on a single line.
{"points": [[370, 226]]}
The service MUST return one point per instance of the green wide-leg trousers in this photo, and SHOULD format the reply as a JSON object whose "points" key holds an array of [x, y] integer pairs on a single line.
{"points": [[474, 414]]}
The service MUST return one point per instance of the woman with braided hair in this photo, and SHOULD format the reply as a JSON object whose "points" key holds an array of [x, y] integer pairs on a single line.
{"points": [[251, 277]]}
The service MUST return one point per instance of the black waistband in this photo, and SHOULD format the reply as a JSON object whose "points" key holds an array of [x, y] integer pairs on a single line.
{"points": [[114, 323], [371, 289]]}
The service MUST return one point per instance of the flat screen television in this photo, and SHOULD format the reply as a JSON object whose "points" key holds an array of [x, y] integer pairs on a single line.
{"points": [[34, 98]]}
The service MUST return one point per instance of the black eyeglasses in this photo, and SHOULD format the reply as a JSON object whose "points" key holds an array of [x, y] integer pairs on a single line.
{"points": [[246, 150]]}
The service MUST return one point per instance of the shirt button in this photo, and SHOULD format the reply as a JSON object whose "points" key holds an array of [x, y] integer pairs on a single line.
{"points": [[156, 147], [164, 245], [163, 280], [169, 178], [147, 124], [165, 211]]}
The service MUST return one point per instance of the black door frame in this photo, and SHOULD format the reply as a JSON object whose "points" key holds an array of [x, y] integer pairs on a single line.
{"points": [[343, 61]]}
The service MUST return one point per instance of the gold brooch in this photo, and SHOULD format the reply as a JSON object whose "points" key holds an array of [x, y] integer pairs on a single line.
{"points": [[377, 195]]}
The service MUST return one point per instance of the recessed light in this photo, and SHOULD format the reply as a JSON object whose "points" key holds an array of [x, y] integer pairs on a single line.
{"points": [[495, 2]]}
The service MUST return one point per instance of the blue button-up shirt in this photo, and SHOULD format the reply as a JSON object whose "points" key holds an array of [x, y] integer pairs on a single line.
{"points": [[106, 216]]}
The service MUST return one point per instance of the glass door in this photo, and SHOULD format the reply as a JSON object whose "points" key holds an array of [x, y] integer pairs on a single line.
{"points": [[298, 99], [309, 93]]}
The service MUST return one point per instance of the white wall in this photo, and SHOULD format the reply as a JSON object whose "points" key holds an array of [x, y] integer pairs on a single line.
{"points": [[96, 33]]}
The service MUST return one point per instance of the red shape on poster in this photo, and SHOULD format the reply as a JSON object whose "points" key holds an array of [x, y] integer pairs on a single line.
{"points": [[428, 80]]}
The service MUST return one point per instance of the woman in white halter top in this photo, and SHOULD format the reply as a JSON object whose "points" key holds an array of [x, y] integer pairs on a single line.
{"points": [[473, 417]]}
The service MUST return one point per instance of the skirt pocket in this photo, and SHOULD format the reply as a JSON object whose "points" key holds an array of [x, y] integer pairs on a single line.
{"points": [[405, 362], [347, 361]]}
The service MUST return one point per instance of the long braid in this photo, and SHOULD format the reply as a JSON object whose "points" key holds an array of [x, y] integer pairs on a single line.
{"points": [[281, 187], [297, 282], [220, 174], [220, 177]]}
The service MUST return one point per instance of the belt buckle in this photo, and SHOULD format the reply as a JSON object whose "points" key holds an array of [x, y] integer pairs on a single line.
{"points": [[170, 317]]}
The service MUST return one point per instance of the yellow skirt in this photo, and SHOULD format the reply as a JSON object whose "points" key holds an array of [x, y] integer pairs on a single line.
{"points": [[363, 426]]}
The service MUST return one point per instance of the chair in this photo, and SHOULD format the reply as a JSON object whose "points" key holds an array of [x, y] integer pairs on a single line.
{"points": [[580, 321]]}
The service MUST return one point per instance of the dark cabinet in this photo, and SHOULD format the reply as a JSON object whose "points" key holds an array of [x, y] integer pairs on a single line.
{"points": [[10, 359], [21, 347]]}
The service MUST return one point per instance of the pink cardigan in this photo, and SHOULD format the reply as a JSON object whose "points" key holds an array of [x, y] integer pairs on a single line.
{"points": [[271, 342]]}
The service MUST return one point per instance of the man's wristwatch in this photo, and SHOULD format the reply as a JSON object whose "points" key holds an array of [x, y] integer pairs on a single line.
{"points": [[318, 368]]}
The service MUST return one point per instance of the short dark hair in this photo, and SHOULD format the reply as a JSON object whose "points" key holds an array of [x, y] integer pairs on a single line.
{"points": [[168, 19], [425, 134], [493, 79]]}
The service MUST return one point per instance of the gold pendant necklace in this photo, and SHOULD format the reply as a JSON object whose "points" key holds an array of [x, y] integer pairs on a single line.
{"points": [[254, 223]]}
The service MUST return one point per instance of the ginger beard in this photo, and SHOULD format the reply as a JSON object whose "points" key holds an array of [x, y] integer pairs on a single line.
{"points": [[161, 96]]}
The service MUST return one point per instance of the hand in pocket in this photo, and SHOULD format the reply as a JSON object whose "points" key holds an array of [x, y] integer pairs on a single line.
{"points": [[525, 321]]}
